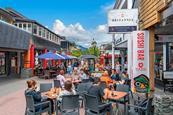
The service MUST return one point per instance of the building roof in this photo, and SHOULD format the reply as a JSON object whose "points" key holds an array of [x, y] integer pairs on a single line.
{"points": [[13, 37], [19, 17]]}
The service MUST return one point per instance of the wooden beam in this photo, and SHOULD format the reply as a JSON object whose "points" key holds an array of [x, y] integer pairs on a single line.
{"points": [[151, 53]]}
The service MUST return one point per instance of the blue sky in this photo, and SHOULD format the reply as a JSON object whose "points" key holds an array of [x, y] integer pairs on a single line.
{"points": [[88, 14]]}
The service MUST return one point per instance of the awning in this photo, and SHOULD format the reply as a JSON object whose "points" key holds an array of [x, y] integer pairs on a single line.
{"points": [[41, 43], [13, 38]]}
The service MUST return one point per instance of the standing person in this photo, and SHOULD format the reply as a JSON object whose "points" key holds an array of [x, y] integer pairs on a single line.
{"points": [[91, 67], [118, 67], [101, 93], [31, 90], [125, 66], [61, 78], [69, 68], [75, 75]]}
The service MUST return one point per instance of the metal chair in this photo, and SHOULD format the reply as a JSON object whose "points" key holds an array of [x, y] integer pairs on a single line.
{"points": [[123, 88], [36, 109], [92, 106], [69, 105], [144, 108], [45, 87], [83, 88], [85, 80], [57, 83]]}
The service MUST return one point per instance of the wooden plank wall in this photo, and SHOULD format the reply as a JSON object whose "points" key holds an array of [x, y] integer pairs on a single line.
{"points": [[149, 12]]}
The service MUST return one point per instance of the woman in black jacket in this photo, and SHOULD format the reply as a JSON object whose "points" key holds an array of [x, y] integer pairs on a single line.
{"points": [[31, 90]]}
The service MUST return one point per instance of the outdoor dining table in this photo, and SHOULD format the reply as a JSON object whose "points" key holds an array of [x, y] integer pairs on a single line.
{"points": [[115, 96], [52, 95]]}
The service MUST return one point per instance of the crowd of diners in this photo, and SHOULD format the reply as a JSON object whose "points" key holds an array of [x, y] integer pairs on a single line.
{"points": [[100, 85]]}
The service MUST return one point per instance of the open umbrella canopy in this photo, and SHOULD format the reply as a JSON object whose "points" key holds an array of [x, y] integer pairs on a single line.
{"points": [[88, 57], [65, 56], [49, 56], [72, 57]]}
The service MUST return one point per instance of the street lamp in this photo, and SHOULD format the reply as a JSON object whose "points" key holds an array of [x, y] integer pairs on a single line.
{"points": [[94, 44]]}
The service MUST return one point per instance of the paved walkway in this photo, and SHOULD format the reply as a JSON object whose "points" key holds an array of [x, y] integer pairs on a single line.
{"points": [[12, 100]]}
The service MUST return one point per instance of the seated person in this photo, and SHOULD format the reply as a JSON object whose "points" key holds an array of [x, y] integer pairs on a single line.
{"points": [[101, 93], [31, 90], [68, 90], [115, 76], [105, 77], [61, 78], [83, 74], [75, 75]]}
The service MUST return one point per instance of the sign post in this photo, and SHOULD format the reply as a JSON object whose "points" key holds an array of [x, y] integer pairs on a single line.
{"points": [[140, 63], [113, 51], [121, 21]]}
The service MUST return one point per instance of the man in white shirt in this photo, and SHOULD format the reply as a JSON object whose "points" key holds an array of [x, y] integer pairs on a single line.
{"points": [[61, 78]]}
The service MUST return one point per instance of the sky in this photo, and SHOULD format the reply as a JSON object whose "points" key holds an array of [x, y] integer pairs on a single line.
{"points": [[78, 20]]}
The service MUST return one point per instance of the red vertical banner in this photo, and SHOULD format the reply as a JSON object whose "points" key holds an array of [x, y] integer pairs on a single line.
{"points": [[32, 57], [45, 61], [53, 61], [59, 61]]}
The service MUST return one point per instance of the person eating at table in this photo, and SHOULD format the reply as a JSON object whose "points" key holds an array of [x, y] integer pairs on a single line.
{"points": [[31, 90], [101, 92], [61, 78], [68, 90], [105, 77]]}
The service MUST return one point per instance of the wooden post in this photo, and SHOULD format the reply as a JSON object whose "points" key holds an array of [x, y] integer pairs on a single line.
{"points": [[151, 52]]}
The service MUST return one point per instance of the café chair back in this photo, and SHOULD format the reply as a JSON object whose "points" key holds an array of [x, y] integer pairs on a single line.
{"points": [[36, 109], [45, 87], [70, 105], [83, 87], [92, 106], [85, 80], [57, 83]]}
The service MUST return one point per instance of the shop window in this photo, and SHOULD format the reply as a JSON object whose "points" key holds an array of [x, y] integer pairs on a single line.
{"points": [[39, 31], [20, 25], [35, 29], [170, 57], [24, 26], [47, 36], [29, 28], [43, 33], [50, 36]]}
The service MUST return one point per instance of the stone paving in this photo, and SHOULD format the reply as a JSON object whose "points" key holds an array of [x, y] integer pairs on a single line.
{"points": [[12, 100]]}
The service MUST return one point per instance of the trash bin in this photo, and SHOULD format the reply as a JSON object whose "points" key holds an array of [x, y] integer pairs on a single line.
{"points": [[26, 72]]}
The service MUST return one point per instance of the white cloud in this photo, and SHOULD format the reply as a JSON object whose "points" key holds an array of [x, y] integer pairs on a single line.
{"points": [[109, 6], [77, 33]]}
